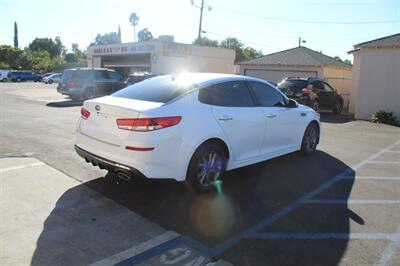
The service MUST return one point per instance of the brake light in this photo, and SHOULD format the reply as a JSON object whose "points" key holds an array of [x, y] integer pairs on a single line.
{"points": [[85, 113], [71, 84], [147, 124]]}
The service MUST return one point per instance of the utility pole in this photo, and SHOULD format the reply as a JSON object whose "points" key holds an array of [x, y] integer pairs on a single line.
{"points": [[301, 41], [201, 19]]}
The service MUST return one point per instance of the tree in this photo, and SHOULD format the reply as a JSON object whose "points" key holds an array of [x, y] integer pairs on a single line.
{"points": [[134, 20], [144, 35], [75, 47], [204, 41], [347, 61], [107, 38], [15, 35], [119, 34], [54, 48], [250, 53], [234, 43], [10, 56]]}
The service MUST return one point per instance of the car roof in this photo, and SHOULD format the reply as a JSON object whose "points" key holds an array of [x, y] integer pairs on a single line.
{"points": [[90, 68], [207, 79]]}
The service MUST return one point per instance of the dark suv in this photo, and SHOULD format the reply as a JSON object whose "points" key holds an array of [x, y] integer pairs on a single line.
{"points": [[18, 76], [314, 93], [88, 83], [138, 77]]}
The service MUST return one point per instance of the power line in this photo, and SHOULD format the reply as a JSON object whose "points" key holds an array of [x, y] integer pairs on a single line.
{"points": [[305, 21]]}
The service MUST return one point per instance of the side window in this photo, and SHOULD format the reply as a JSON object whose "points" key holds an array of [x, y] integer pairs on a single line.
{"points": [[266, 95], [101, 74], [327, 88], [232, 93], [318, 85], [115, 76]]}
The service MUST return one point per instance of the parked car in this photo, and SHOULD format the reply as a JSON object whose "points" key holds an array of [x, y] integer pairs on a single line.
{"points": [[314, 93], [89, 83], [137, 77], [18, 76], [56, 77], [193, 127], [3, 75]]}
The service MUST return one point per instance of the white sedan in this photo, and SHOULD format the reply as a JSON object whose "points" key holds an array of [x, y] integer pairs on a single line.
{"points": [[193, 127]]}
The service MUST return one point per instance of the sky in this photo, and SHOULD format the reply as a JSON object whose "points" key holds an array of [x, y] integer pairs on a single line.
{"points": [[330, 26]]}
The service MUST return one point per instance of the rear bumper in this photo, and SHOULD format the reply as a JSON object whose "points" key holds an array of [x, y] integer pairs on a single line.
{"points": [[107, 164], [70, 91]]}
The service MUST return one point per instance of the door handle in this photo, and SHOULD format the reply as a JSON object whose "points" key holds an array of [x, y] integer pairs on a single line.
{"points": [[270, 115], [225, 118]]}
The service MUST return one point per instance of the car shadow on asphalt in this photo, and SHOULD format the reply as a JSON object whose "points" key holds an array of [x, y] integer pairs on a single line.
{"points": [[247, 196], [328, 117], [66, 103]]}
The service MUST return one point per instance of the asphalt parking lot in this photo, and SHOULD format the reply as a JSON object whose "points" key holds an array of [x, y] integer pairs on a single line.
{"points": [[340, 206]]}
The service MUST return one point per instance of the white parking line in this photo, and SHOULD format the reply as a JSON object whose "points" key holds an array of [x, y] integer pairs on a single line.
{"points": [[384, 162], [304, 236], [372, 177], [133, 251], [390, 250], [350, 201], [2, 170]]}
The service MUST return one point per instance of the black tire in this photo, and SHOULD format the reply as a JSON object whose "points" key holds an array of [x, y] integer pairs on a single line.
{"points": [[89, 93], [207, 165], [50, 81], [310, 139], [4, 79], [338, 108], [315, 105]]}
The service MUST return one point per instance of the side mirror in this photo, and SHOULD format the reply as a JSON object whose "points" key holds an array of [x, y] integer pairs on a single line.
{"points": [[292, 103]]}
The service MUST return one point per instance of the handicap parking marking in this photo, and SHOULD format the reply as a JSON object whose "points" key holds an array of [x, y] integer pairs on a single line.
{"points": [[321, 236], [179, 251]]}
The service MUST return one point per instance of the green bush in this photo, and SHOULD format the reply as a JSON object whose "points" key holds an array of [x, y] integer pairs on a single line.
{"points": [[384, 118]]}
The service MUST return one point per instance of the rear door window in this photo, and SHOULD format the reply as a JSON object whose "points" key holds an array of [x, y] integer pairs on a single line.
{"points": [[266, 95], [232, 94], [101, 74]]}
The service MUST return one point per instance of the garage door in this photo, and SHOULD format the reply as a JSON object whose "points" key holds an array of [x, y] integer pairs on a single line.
{"points": [[278, 75]]}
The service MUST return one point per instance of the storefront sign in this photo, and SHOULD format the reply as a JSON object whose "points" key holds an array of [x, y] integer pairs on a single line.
{"points": [[124, 49]]}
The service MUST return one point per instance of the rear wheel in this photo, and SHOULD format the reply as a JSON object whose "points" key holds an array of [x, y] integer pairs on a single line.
{"points": [[206, 167], [315, 105], [338, 108], [4, 79], [310, 139]]}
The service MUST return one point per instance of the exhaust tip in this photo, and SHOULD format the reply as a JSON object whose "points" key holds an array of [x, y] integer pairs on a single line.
{"points": [[124, 176]]}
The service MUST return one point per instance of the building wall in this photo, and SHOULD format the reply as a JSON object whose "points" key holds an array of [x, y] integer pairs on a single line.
{"points": [[196, 59], [379, 82], [286, 70], [355, 76], [340, 79]]}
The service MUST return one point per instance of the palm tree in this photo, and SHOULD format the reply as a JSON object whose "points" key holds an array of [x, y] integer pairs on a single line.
{"points": [[134, 20]]}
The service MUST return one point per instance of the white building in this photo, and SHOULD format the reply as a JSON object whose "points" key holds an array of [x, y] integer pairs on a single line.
{"points": [[376, 77], [161, 56]]}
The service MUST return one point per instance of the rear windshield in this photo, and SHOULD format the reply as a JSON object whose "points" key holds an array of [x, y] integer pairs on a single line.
{"points": [[159, 89], [69, 74], [294, 85]]}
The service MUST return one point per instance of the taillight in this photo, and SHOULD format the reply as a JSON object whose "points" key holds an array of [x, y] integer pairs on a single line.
{"points": [[85, 113], [147, 124], [71, 84]]}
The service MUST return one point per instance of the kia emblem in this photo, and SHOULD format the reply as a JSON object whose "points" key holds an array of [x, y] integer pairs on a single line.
{"points": [[97, 107]]}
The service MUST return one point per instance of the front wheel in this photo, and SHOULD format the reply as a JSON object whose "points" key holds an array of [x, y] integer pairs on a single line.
{"points": [[50, 81], [206, 167], [310, 139]]}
